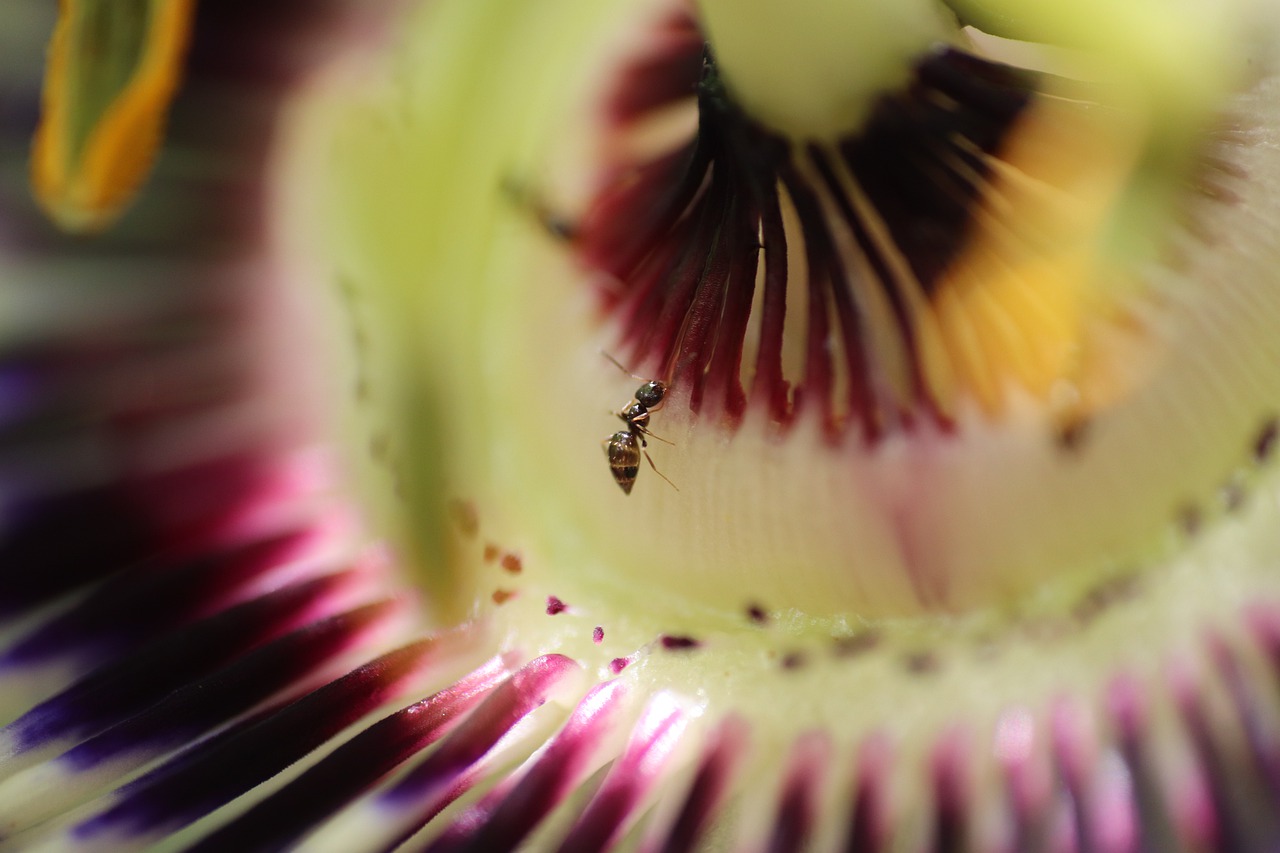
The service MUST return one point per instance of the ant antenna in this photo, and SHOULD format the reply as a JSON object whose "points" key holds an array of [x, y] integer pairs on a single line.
{"points": [[618, 365], [659, 473]]}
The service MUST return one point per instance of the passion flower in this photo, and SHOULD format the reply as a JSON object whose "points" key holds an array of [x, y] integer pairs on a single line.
{"points": [[963, 316]]}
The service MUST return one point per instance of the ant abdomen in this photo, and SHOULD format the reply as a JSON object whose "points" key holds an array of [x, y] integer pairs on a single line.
{"points": [[624, 459]]}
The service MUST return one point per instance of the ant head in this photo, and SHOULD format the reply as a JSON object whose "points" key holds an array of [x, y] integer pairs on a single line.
{"points": [[651, 394]]}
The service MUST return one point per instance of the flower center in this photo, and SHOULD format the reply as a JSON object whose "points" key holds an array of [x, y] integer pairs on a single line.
{"points": [[895, 281], [907, 369]]}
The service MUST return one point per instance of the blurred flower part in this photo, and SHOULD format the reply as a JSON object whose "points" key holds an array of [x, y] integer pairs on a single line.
{"points": [[113, 69], [1021, 610]]}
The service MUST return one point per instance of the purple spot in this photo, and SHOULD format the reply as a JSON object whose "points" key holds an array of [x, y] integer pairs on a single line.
{"points": [[466, 517], [1104, 596], [597, 636], [1190, 519], [617, 665], [757, 614], [856, 644], [1071, 435], [674, 643], [555, 606], [922, 663], [1265, 443], [793, 660]]}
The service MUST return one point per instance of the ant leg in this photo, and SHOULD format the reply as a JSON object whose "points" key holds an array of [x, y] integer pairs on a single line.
{"points": [[659, 473], [637, 430], [658, 437]]}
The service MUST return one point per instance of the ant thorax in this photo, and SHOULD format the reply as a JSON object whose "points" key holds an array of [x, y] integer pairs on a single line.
{"points": [[635, 414]]}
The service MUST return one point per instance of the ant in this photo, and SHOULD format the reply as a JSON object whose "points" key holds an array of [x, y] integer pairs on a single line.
{"points": [[623, 448]]}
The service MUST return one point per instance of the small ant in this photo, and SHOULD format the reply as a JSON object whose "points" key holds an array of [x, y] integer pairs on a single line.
{"points": [[623, 448]]}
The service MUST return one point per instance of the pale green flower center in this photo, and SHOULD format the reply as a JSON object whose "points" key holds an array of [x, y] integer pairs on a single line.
{"points": [[483, 388]]}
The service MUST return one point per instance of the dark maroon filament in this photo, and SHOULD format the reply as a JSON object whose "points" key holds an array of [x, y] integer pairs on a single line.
{"points": [[686, 235]]}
